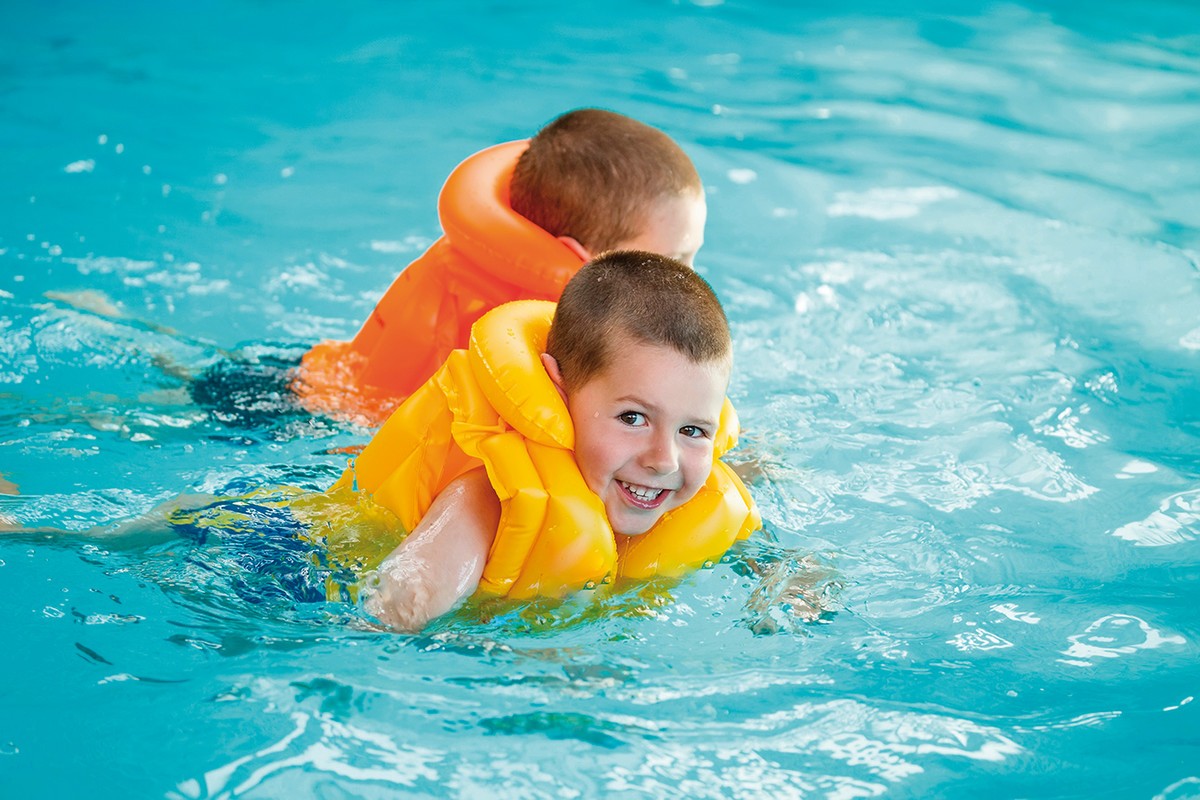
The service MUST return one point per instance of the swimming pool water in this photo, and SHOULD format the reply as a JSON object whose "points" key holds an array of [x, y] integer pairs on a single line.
{"points": [[960, 250]]}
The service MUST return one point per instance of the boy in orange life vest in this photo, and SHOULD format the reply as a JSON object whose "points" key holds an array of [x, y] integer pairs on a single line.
{"points": [[518, 219], [515, 465]]}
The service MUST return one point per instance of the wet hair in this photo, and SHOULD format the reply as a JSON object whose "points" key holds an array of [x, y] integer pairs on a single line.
{"points": [[593, 175], [631, 295]]}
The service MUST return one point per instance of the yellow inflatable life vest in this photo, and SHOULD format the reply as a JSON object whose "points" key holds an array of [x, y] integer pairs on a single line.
{"points": [[493, 404]]}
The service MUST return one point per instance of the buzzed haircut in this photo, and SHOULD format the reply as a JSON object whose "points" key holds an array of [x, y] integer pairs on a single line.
{"points": [[626, 295], [593, 175]]}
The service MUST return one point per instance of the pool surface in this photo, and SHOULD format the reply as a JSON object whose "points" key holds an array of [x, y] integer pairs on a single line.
{"points": [[960, 252]]}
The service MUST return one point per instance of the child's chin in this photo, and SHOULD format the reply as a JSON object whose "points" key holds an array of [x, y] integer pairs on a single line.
{"points": [[631, 530]]}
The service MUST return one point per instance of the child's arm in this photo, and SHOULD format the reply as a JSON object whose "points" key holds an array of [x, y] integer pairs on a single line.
{"points": [[442, 560]]}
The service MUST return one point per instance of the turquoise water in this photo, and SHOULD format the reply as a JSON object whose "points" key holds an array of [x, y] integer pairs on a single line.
{"points": [[961, 253]]}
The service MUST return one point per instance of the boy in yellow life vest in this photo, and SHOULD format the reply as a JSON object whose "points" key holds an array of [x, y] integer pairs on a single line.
{"points": [[565, 446], [518, 219]]}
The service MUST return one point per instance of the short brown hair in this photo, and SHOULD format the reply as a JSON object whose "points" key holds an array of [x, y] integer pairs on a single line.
{"points": [[592, 175], [634, 295]]}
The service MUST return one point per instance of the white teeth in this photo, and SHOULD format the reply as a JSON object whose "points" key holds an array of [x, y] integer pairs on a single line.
{"points": [[643, 493]]}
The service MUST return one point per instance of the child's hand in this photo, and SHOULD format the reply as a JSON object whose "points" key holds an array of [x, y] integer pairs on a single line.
{"points": [[399, 596], [792, 591]]}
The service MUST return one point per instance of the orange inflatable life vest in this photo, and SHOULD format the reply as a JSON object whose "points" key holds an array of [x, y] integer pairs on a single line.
{"points": [[494, 405], [487, 256]]}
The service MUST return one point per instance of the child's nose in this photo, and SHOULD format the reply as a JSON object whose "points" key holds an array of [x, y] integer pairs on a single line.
{"points": [[662, 456]]}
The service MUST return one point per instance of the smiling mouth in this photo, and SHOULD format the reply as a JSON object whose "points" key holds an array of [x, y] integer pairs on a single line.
{"points": [[643, 496]]}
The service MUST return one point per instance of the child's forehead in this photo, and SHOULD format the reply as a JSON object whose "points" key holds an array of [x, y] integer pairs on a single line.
{"points": [[620, 368]]}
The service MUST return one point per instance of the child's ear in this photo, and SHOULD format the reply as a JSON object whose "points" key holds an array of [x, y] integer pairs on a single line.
{"points": [[551, 365], [575, 247]]}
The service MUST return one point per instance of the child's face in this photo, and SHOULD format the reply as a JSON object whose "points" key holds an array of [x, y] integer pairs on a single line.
{"points": [[644, 431], [674, 226]]}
